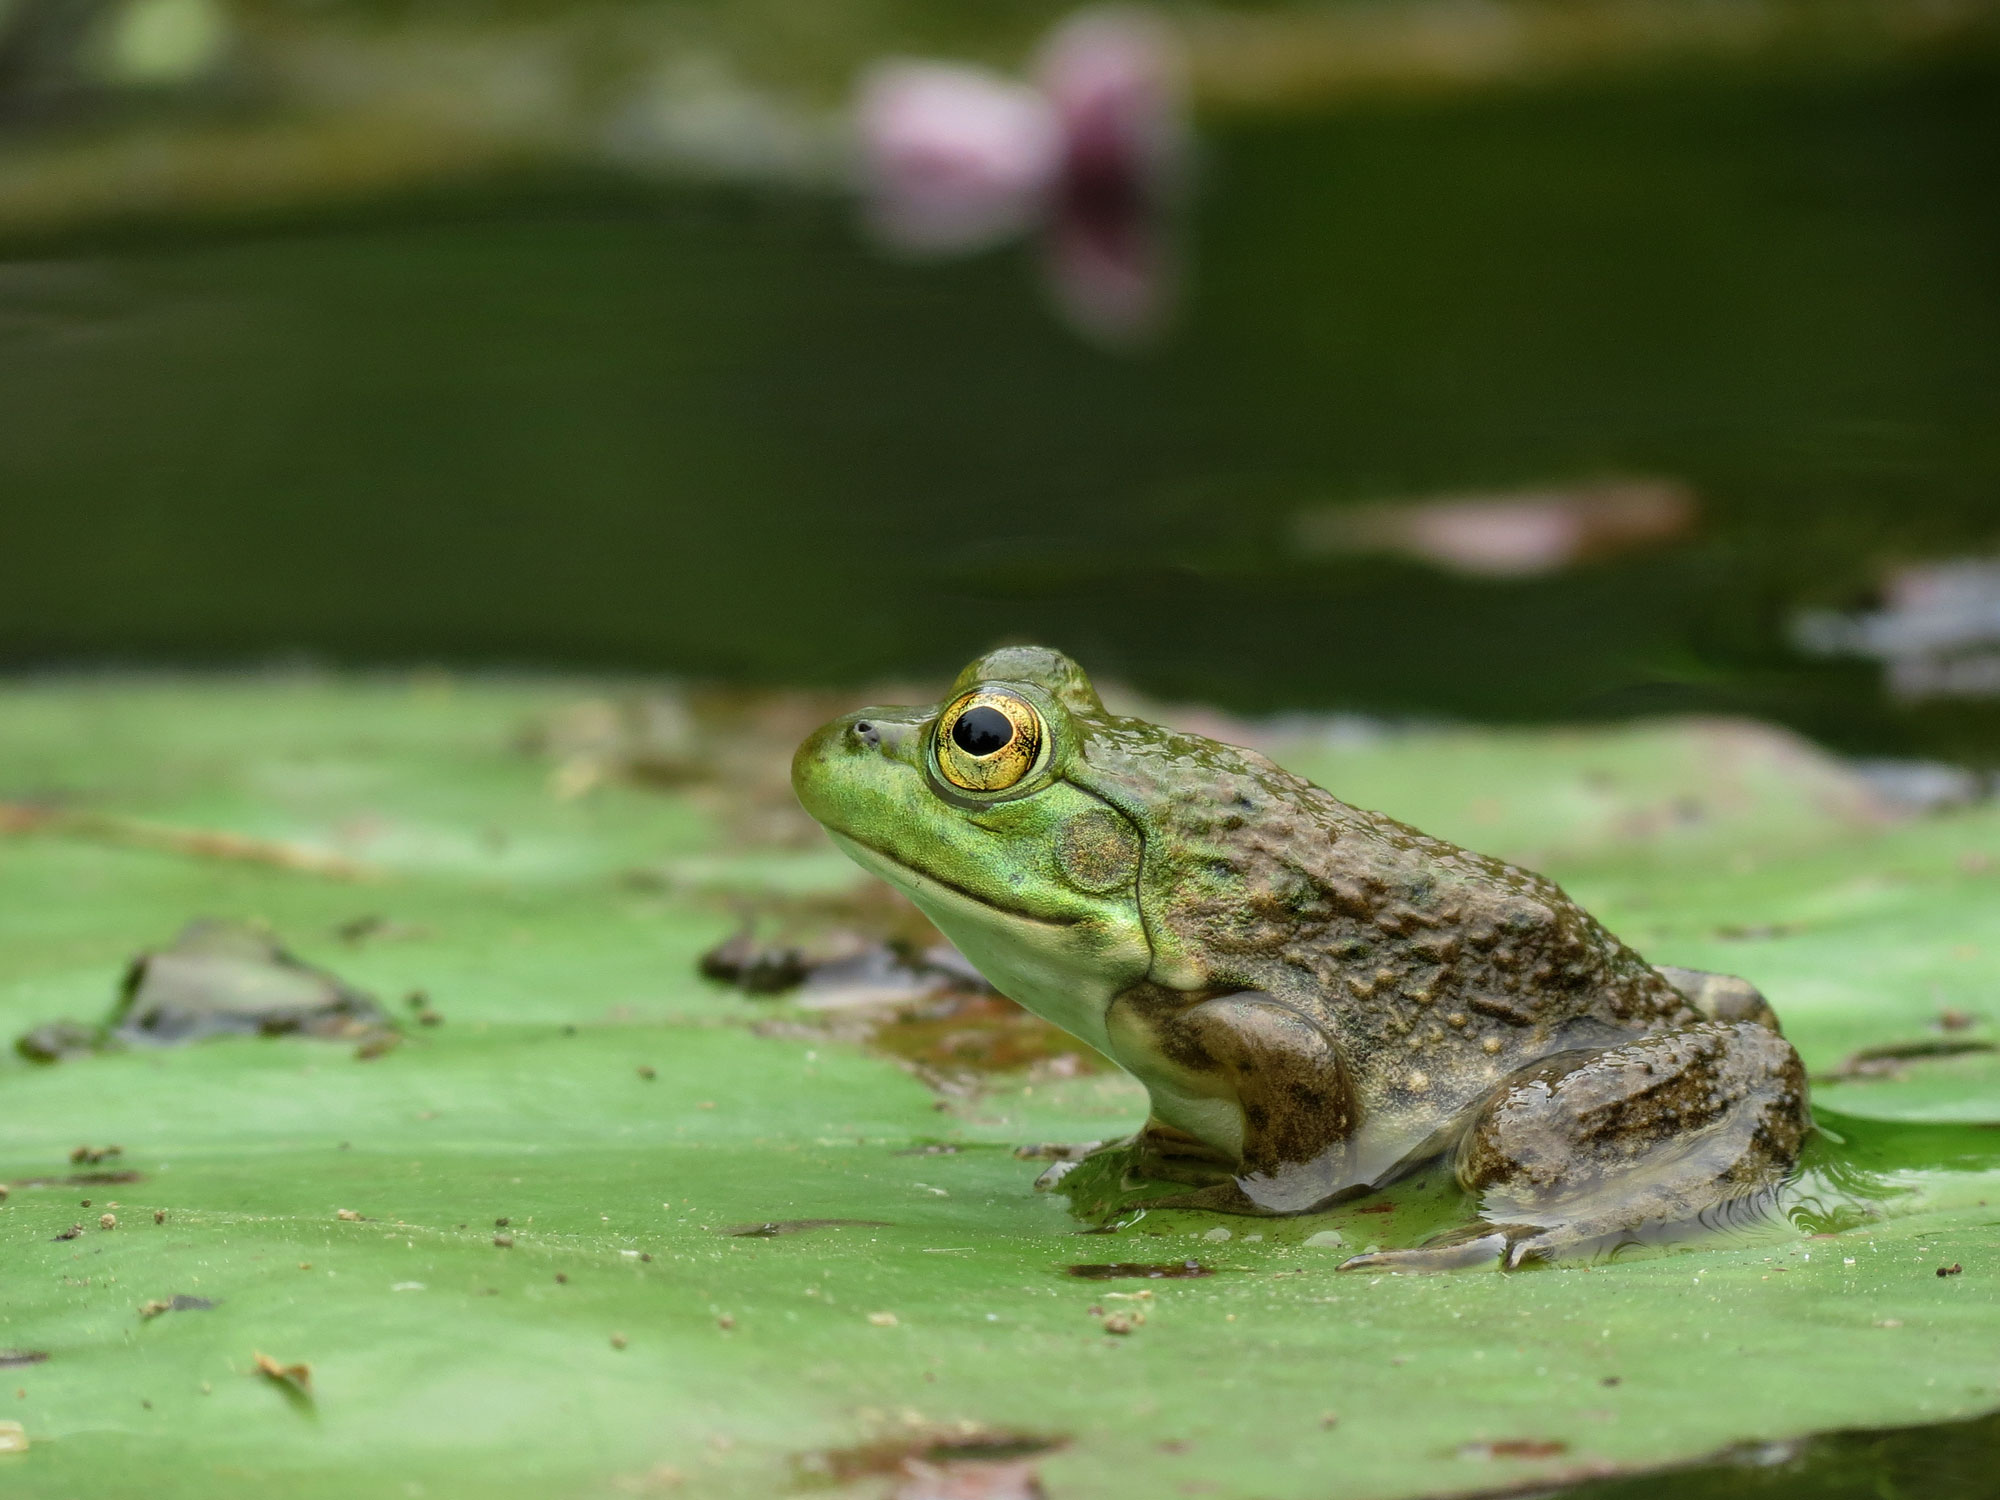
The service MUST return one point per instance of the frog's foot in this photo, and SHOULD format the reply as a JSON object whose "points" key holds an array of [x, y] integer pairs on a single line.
{"points": [[1479, 1249], [1664, 1135]]}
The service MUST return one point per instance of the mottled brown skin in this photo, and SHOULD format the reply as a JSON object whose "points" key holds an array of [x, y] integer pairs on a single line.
{"points": [[1333, 998]]}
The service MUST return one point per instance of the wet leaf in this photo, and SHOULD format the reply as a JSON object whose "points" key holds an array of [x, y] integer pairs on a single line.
{"points": [[561, 977]]}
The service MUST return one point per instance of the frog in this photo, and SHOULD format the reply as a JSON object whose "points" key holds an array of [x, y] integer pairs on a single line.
{"points": [[1319, 1000]]}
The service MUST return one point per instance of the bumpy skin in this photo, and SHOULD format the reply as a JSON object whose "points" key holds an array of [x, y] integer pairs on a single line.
{"points": [[1317, 997]]}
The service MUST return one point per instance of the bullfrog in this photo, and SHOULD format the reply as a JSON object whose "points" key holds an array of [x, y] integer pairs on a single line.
{"points": [[1318, 999]]}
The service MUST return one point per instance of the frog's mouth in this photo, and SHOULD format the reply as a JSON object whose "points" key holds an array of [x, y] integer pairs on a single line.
{"points": [[923, 886]]}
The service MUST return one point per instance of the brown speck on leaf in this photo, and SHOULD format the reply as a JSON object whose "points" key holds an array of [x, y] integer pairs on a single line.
{"points": [[645, 1255], [107, 1221], [296, 1378], [1328, 1421], [71, 1233], [305, 1265], [501, 1223], [1951, 1270], [705, 1104], [1609, 1380], [159, 1216], [962, 1462], [503, 1242], [348, 1214], [725, 1322], [1117, 1323], [90, 1156], [14, 1358], [153, 1309], [562, 1278], [1515, 1448], [1950, 1019], [618, 1341], [648, 1072]]}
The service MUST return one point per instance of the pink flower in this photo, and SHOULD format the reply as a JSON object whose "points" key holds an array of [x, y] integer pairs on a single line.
{"points": [[957, 158]]}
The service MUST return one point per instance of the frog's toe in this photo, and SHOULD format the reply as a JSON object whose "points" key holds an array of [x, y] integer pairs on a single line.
{"points": [[1489, 1249]]}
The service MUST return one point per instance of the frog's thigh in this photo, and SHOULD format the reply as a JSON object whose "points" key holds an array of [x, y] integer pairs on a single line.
{"points": [[1282, 1073], [1721, 997], [1664, 1130]]}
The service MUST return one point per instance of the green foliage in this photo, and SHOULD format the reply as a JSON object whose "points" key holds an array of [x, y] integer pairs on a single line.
{"points": [[443, 1363]]}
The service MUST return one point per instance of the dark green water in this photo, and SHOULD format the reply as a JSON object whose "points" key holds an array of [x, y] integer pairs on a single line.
{"points": [[715, 433], [1948, 1461]]}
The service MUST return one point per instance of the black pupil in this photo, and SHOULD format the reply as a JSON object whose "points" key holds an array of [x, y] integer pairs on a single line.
{"points": [[982, 730]]}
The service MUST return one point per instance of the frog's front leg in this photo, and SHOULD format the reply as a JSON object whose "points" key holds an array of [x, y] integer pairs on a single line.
{"points": [[1250, 1097], [1588, 1149]]}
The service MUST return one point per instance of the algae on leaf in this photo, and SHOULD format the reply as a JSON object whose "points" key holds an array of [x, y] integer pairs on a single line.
{"points": [[630, 1121]]}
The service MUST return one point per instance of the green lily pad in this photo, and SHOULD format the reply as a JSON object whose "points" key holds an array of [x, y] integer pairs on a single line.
{"points": [[622, 1117]]}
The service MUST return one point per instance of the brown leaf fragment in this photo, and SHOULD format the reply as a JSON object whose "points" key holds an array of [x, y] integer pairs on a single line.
{"points": [[295, 1377], [966, 1462], [1514, 1448], [195, 843], [1175, 1270], [1888, 1061], [1951, 1270]]}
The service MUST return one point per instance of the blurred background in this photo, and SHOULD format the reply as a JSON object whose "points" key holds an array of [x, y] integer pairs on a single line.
{"points": [[1484, 360]]}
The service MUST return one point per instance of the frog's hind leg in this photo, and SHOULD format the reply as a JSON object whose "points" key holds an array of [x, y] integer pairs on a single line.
{"points": [[1721, 997], [1684, 1128]]}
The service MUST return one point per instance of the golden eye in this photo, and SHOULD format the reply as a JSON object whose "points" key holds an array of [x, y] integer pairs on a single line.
{"points": [[987, 741]]}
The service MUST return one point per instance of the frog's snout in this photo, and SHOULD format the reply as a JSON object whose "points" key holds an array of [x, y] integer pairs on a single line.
{"points": [[840, 760]]}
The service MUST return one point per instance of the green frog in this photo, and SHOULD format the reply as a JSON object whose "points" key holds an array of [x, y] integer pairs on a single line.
{"points": [[1318, 999]]}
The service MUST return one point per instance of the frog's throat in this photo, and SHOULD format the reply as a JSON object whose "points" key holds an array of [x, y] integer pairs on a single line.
{"points": [[1060, 970]]}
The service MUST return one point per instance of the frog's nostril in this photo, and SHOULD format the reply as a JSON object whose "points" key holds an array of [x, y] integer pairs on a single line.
{"points": [[867, 733]]}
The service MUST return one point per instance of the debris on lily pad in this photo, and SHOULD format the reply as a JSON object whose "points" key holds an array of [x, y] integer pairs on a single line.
{"points": [[294, 1378], [864, 946], [55, 1040], [179, 1302], [864, 965], [219, 978]]}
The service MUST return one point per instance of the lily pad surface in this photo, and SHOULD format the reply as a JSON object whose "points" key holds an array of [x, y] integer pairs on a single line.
{"points": [[597, 1226]]}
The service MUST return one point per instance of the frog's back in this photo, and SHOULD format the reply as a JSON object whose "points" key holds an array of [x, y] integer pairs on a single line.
{"points": [[1440, 970]]}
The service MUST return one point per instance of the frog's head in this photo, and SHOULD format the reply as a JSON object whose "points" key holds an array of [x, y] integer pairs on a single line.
{"points": [[980, 809]]}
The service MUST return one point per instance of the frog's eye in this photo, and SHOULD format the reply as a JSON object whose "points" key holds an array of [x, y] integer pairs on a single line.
{"points": [[987, 741]]}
